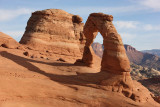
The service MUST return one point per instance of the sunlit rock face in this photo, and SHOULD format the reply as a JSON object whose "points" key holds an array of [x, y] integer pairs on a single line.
{"points": [[7, 41], [114, 60], [56, 31]]}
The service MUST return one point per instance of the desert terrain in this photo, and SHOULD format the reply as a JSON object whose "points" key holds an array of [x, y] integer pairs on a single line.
{"points": [[39, 82], [40, 71]]}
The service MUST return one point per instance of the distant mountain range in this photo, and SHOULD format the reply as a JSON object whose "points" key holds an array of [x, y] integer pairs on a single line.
{"points": [[98, 49], [153, 51], [144, 59]]}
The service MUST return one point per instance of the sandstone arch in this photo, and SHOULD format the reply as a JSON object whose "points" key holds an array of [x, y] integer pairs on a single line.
{"points": [[114, 61]]}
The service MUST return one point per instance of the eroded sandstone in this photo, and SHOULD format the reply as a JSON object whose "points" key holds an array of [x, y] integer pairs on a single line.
{"points": [[114, 61], [59, 82], [56, 31]]}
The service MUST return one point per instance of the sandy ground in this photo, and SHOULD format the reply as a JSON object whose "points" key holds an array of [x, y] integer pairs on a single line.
{"points": [[37, 82]]}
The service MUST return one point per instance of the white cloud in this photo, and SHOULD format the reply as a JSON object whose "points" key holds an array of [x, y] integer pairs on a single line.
{"points": [[130, 30], [6, 14], [127, 36], [108, 10], [149, 27], [126, 24], [135, 25], [154, 4]]}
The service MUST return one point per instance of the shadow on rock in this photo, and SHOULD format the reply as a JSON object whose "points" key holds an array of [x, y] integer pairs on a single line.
{"points": [[84, 79]]}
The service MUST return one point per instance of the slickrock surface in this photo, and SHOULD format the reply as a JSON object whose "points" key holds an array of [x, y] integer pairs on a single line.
{"points": [[7, 41], [56, 31], [38, 82], [40, 73]]}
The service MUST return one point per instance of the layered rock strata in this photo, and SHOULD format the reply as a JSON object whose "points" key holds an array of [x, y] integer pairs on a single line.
{"points": [[56, 31], [114, 61]]}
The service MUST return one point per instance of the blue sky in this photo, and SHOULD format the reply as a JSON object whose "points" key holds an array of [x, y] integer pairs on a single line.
{"points": [[137, 21]]}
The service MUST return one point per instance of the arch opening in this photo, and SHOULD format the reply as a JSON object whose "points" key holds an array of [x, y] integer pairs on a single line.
{"points": [[114, 58], [97, 45]]}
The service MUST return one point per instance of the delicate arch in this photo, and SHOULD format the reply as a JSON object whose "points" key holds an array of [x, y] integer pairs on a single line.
{"points": [[114, 58]]}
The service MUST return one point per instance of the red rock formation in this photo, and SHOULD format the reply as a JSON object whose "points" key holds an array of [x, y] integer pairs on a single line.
{"points": [[133, 55], [56, 31], [115, 62], [129, 48], [7, 41], [114, 58]]}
